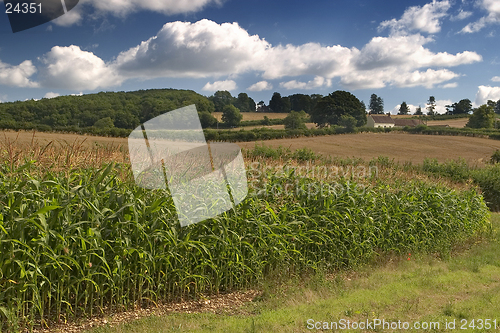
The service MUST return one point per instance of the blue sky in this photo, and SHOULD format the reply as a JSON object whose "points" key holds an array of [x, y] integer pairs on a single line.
{"points": [[399, 50]]}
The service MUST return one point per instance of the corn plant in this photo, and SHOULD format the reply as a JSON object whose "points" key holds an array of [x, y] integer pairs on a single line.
{"points": [[85, 241]]}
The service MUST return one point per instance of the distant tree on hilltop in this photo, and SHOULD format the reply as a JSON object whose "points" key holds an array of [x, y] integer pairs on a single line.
{"points": [[462, 107], [431, 106], [244, 103], [483, 117], [279, 104], [404, 109], [222, 98], [330, 109], [376, 104]]}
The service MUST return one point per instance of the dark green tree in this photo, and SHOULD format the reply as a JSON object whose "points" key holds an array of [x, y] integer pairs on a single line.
{"points": [[221, 99], [418, 111], [301, 102], [244, 103], [104, 123], [376, 104], [331, 108], [349, 122], [462, 107], [231, 115], [295, 120], [497, 107], [287, 105], [431, 106], [276, 103], [491, 103], [483, 117], [315, 98], [404, 109], [207, 120]]}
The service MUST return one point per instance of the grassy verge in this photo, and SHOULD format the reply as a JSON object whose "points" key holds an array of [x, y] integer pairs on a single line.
{"points": [[458, 288]]}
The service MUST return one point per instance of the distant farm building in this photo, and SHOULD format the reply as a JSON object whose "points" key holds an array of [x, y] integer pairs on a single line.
{"points": [[263, 108], [407, 122], [380, 121]]}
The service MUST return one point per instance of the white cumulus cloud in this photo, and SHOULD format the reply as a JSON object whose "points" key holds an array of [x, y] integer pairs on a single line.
{"points": [[51, 94], [122, 8], [462, 15], [397, 60], [485, 93], [201, 49], [318, 82], [306, 59], [492, 7], [423, 19], [169, 7], [426, 79], [18, 76], [260, 86], [495, 79], [449, 85], [71, 68], [206, 49], [408, 51], [220, 85]]}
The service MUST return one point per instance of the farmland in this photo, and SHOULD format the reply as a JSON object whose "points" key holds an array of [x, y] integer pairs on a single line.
{"points": [[458, 123], [79, 239], [398, 146], [254, 115]]}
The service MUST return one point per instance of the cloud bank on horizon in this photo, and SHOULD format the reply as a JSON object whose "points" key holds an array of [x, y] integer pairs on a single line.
{"points": [[221, 52]]}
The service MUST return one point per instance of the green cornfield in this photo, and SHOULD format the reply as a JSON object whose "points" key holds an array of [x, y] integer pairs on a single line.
{"points": [[81, 242]]}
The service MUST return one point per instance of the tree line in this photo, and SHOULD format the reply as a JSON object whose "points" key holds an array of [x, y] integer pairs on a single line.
{"points": [[118, 111]]}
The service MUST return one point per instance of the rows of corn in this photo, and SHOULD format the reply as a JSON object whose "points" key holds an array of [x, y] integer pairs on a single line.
{"points": [[82, 242]]}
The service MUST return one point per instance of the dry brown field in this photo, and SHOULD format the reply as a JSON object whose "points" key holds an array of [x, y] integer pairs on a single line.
{"points": [[58, 139], [397, 146], [254, 115], [279, 127], [460, 123]]}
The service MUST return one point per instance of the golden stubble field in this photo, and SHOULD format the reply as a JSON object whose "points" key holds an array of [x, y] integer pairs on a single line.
{"points": [[398, 146], [254, 115]]}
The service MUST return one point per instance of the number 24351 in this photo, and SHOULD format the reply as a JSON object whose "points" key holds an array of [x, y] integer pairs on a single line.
{"points": [[24, 8]]}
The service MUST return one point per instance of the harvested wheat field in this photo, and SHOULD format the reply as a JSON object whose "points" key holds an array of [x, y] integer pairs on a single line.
{"points": [[254, 115], [397, 146], [278, 127], [44, 138], [459, 123]]}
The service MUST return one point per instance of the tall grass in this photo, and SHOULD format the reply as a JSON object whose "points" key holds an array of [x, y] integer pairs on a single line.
{"points": [[84, 241]]}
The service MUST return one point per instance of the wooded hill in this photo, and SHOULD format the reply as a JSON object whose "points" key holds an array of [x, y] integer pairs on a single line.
{"points": [[120, 110]]}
